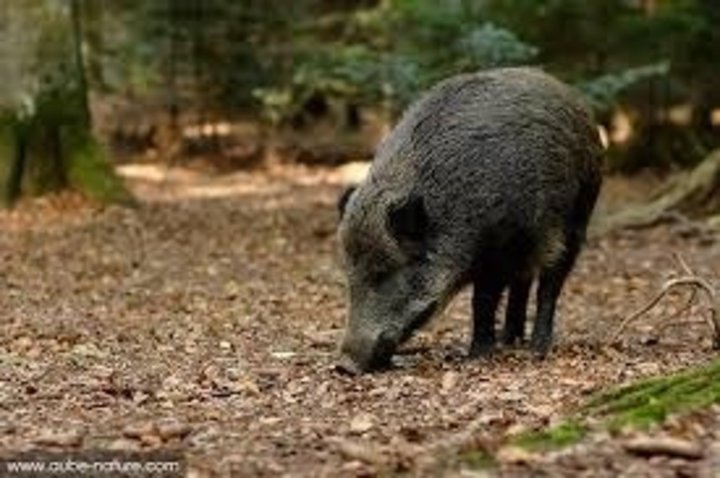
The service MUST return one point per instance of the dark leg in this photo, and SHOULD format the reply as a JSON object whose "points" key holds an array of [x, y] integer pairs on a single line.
{"points": [[550, 285], [486, 296], [516, 314], [552, 277]]}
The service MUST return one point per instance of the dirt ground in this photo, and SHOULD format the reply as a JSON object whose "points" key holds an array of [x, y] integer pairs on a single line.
{"points": [[207, 320]]}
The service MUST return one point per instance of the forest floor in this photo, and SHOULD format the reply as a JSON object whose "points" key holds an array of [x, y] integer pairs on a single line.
{"points": [[207, 321]]}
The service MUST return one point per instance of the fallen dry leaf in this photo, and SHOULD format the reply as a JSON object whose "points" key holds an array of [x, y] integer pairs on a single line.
{"points": [[361, 423]]}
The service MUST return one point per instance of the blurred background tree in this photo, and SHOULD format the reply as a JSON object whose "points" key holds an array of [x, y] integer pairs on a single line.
{"points": [[46, 141], [169, 79]]}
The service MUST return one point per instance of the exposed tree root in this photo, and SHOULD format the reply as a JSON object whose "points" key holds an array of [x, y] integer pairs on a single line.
{"points": [[697, 284], [690, 195]]}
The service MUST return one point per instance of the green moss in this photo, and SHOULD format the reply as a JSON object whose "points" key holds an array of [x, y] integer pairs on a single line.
{"points": [[626, 394], [556, 437], [637, 405], [651, 401], [478, 459], [90, 171]]}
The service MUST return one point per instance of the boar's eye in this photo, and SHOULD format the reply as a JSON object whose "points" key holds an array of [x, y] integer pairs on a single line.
{"points": [[378, 276], [408, 221]]}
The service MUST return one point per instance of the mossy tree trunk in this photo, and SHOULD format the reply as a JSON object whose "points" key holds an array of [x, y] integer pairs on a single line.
{"points": [[13, 150], [47, 144], [54, 150]]}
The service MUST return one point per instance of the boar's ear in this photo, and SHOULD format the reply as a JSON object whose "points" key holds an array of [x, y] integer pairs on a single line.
{"points": [[408, 221], [344, 198]]}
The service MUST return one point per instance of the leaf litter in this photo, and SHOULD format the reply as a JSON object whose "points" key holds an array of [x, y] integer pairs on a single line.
{"points": [[207, 320]]}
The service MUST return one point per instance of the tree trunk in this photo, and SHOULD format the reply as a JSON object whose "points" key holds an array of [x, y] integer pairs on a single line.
{"points": [[17, 155], [77, 33], [51, 147]]}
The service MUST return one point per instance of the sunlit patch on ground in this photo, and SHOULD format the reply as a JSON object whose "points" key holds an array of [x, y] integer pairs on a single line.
{"points": [[158, 182]]}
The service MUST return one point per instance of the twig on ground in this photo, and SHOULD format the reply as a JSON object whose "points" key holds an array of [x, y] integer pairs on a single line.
{"points": [[683, 264], [696, 283], [649, 446]]}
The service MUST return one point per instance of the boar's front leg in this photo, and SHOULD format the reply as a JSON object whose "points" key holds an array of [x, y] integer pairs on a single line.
{"points": [[516, 314], [486, 296]]}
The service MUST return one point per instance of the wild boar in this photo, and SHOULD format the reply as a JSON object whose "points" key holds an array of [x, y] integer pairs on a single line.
{"points": [[490, 180]]}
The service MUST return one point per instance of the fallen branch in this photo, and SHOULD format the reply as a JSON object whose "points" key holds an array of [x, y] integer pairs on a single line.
{"points": [[696, 283]]}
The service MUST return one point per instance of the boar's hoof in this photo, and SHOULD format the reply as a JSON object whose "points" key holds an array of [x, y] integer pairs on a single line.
{"points": [[483, 350], [540, 346]]}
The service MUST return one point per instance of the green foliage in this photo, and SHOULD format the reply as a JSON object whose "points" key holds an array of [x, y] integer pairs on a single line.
{"points": [[571, 35], [373, 65], [490, 46], [275, 58], [604, 91], [353, 74]]}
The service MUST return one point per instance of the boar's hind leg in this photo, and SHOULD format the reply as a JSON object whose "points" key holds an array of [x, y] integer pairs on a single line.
{"points": [[486, 296], [516, 314], [552, 278]]}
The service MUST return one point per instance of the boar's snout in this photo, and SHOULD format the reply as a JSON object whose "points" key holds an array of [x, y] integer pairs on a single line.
{"points": [[362, 353], [347, 365]]}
